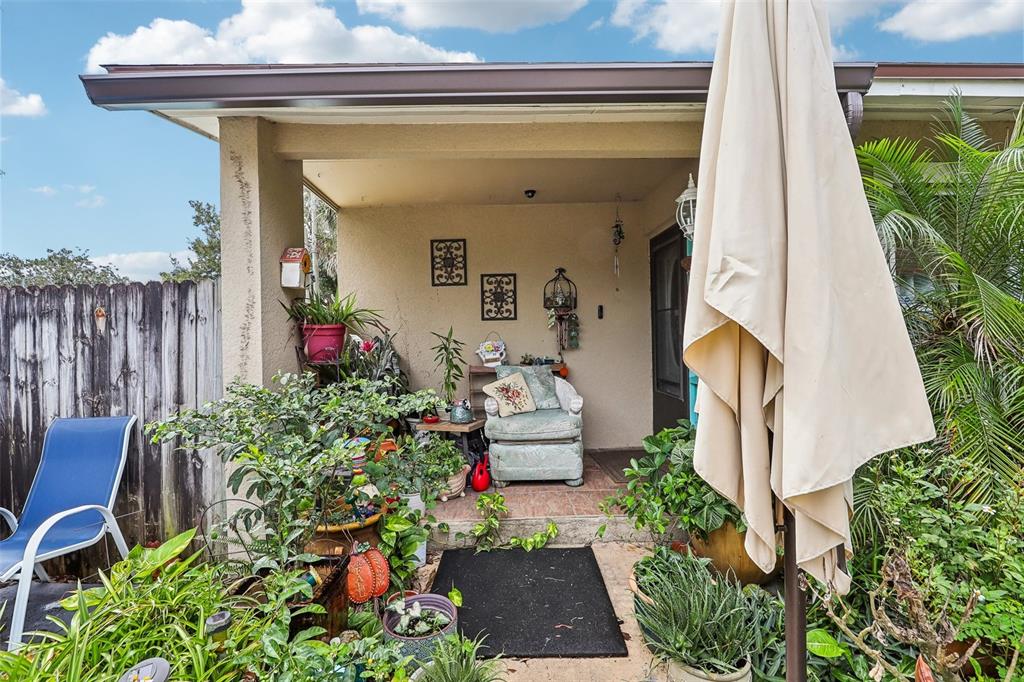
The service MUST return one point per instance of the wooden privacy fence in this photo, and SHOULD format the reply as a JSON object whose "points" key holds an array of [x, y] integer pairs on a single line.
{"points": [[83, 351]]}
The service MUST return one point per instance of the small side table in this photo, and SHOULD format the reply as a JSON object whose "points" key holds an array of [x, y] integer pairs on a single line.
{"points": [[462, 431]]}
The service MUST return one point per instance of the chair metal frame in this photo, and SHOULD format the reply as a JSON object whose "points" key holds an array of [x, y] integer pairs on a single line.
{"points": [[31, 559]]}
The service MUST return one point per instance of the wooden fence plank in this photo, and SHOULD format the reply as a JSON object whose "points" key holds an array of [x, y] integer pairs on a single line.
{"points": [[158, 351], [6, 473]]}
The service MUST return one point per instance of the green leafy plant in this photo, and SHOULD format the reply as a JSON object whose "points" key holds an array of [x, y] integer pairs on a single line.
{"points": [[706, 624], [487, 532], [948, 212], [663, 492], [537, 540], [402, 532], [155, 603], [417, 620], [286, 447], [327, 309], [448, 357], [454, 659]]}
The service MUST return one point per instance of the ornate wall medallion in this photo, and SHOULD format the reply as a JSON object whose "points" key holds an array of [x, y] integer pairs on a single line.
{"points": [[498, 296], [448, 263]]}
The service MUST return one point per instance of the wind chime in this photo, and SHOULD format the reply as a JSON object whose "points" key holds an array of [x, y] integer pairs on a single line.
{"points": [[560, 302], [618, 236]]}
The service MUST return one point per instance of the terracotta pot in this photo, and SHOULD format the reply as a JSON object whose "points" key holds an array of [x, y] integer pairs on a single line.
{"points": [[677, 672], [456, 485], [725, 549], [323, 342]]}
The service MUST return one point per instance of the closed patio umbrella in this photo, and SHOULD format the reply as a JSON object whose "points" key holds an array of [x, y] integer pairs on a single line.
{"points": [[792, 321]]}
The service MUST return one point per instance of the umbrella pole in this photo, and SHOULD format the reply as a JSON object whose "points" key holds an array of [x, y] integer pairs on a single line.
{"points": [[796, 605]]}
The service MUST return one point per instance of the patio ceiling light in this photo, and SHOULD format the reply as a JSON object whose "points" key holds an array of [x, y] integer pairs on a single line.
{"points": [[686, 208]]}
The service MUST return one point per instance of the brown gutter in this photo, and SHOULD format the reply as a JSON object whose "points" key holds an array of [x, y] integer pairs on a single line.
{"points": [[283, 85], [959, 71]]}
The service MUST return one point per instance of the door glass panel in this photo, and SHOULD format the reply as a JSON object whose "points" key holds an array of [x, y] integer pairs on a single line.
{"points": [[667, 362]]}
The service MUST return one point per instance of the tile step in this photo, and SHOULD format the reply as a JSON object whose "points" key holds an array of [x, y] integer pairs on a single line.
{"points": [[573, 531]]}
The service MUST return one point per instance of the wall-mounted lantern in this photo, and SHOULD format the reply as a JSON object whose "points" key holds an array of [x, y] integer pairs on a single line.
{"points": [[686, 208]]}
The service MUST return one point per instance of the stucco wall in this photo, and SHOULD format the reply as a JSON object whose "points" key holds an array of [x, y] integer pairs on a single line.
{"points": [[384, 258]]}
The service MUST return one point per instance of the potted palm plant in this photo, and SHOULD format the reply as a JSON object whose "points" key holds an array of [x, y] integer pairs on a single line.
{"points": [[448, 358], [324, 322], [703, 629]]}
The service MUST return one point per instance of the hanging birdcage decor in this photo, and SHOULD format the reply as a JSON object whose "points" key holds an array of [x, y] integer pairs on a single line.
{"points": [[560, 302], [560, 292]]}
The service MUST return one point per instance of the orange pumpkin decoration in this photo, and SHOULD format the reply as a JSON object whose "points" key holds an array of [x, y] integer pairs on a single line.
{"points": [[359, 582], [380, 570], [368, 575]]}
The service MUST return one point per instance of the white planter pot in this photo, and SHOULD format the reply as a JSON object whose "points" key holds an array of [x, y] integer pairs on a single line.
{"points": [[416, 502], [677, 672]]}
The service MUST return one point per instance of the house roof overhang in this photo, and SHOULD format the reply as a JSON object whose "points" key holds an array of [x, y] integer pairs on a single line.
{"points": [[259, 86]]}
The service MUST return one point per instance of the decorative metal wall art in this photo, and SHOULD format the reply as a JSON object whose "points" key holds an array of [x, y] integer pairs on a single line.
{"points": [[498, 296], [448, 263]]}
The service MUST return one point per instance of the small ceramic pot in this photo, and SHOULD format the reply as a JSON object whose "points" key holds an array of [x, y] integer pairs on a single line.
{"points": [[456, 485], [677, 672]]}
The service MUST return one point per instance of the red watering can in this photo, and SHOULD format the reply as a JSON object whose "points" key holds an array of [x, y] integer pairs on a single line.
{"points": [[480, 479]]}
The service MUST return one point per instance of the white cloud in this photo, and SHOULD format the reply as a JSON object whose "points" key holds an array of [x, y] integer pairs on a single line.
{"points": [[45, 190], [141, 266], [676, 27], [82, 189], [843, 53], [92, 201], [13, 103], [496, 16], [300, 31], [955, 19], [596, 24]]}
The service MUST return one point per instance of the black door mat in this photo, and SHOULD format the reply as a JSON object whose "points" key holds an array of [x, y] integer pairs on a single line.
{"points": [[612, 462], [541, 604]]}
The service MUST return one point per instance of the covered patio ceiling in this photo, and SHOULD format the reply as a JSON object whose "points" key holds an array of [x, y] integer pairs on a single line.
{"points": [[379, 182]]}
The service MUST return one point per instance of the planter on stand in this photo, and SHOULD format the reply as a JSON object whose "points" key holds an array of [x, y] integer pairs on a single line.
{"points": [[323, 342], [338, 539]]}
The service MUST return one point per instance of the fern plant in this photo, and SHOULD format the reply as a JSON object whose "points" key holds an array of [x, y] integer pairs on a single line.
{"points": [[950, 216]]}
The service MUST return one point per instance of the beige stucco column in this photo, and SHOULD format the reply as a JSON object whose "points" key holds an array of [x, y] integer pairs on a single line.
{"points": [[261, 215]]}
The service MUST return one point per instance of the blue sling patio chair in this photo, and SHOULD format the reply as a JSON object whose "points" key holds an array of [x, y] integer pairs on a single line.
{"points": [[70, 505]]}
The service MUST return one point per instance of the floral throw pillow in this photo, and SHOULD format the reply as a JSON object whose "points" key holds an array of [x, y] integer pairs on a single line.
{"points": [[512, 395], [540, 380]]}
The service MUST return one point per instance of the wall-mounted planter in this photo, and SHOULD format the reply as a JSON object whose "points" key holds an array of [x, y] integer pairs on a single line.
{"points": [[323, 342]]}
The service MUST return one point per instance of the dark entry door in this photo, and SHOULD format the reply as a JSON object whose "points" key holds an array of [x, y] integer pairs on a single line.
{"points": [[668, 298]]}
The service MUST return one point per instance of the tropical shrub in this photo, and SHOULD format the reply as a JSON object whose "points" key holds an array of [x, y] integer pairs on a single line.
{"points": [[950, 214], [663, 492]]}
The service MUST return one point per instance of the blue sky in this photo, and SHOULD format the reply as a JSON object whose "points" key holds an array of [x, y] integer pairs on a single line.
{"points": [[119, 182]]}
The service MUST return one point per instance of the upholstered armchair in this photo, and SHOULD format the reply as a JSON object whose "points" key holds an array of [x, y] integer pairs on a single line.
{"points": [[543, 445]]}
